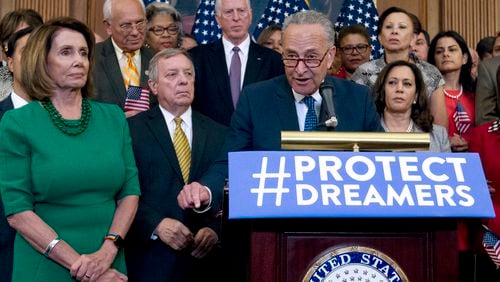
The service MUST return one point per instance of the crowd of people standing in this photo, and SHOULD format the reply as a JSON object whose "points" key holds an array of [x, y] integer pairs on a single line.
{"points": [[113, 155]]}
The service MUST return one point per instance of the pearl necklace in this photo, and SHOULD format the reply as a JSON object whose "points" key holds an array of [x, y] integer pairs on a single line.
{"points": [[408, 130], [451, 96]]}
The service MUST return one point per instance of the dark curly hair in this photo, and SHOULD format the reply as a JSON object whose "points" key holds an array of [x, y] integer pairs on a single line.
{"points": [[420, 113]]}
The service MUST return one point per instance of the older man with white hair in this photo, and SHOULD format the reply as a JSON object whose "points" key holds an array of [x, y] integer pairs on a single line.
{"points": [[224, 67], [121, 60]]}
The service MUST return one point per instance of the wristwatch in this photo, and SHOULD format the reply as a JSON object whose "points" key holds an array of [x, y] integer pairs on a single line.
{"points": [[116, 238]]}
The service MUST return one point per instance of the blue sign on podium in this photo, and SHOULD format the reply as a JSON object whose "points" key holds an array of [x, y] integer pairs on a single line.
{"points": [[301, 184]]}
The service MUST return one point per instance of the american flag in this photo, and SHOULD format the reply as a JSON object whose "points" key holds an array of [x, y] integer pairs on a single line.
{"points": [[491, 244], [137, 99], [365, 13], [276, 12], [147, 2], [205, 28], [461, 118]]}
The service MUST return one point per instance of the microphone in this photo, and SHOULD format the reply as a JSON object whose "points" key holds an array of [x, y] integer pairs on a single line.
{"points": [[326, 91]]}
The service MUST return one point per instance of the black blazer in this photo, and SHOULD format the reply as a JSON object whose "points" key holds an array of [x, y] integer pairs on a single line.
{"points": [[161, 181], [213, 91], [5, 105], [7, 233], [108, 79]]}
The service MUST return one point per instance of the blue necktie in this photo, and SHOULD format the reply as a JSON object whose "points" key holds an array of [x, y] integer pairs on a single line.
{"points": [[311, 118]]}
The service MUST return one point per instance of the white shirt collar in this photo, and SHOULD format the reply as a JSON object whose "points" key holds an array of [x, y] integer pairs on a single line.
{"points": [[298, 97], [17, 101], [186, 116], [244, 46]]}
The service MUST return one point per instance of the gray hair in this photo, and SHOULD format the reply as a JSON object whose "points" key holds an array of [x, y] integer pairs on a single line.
{"points": [[157, 8], [165, 54], [311, 17], [218, 6], [106, 9]]}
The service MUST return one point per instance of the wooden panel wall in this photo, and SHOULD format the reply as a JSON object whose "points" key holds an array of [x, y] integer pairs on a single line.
{"points": [[48, 9], [88, 11], [473, 19]]}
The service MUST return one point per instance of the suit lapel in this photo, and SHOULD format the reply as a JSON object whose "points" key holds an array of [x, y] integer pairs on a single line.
{"points": [[6, 104], [200, 135], [217, 60], [158, 128], [114, 74], [254, 64], [286, 106], [145, 57]]}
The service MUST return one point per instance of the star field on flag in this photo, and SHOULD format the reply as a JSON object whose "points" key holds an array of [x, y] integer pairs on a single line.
{"points": [[205, 28], [362, 12], [276, 12]]}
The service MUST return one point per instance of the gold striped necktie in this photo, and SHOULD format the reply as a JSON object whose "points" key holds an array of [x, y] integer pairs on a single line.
{"points": [[132, 76], [182, 149]]}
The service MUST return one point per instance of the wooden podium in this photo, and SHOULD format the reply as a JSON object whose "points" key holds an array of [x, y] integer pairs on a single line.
{"points": [[422, 245], [425, 248]]}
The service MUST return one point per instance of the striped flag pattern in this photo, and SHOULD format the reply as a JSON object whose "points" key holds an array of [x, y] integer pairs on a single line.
{"points": [[491, 244], [461, 118], [137, 99]]}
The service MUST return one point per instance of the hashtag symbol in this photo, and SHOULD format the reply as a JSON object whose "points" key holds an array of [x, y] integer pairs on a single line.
{"points": [[263, 176]]}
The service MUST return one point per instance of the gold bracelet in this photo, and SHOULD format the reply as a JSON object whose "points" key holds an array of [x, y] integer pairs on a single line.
{"points": [[50, 246]]}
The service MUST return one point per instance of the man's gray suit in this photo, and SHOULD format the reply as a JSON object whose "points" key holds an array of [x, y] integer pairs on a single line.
{"points": [[108, 79], [487, 96]]}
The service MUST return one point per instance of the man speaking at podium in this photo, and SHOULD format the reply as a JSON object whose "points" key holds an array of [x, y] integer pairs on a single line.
{"points": [[305, 99]]}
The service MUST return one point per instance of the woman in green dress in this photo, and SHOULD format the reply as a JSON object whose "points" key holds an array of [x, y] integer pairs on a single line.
{"points": [[67, 172]]}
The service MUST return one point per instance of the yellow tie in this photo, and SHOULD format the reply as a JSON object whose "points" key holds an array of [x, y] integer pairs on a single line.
{"points": [[131, 73], [182, 149]]}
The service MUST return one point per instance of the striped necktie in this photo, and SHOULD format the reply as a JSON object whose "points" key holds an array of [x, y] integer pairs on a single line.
{"points": [[132, 76], [182, 149]]}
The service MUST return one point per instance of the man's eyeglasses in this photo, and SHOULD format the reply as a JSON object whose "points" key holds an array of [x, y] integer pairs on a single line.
{"points": [[309, 62], [349, 49], [160, 30], [229, 14], [128, 27]]}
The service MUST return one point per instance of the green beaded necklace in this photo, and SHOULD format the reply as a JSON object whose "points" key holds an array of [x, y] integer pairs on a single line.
{"points": [[69, 127]]}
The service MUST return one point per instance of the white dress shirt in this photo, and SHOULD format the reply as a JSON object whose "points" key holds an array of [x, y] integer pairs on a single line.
{"points": [[186, 125], [123, 60], [302, 108], [17, 101]]}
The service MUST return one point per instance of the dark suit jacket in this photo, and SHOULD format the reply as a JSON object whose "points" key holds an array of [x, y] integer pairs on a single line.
{"points": [[213, 91], [7, 233], [108, 79], [487, 95], [268, 107], [5, 105], [161, 180]]}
